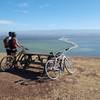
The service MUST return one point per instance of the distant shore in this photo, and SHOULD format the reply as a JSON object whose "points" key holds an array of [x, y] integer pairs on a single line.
{"points": [[2, 54]]}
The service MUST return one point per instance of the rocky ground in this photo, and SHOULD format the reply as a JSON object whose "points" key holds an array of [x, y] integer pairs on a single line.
{"points": [[28, 84]]}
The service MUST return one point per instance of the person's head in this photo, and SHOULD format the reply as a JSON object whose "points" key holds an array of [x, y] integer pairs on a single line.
{"points": [[10, 33], [13, 34]]}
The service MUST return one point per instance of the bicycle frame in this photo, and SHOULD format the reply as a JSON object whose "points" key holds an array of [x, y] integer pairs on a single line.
{"points": [[17, 57], [57, 64], [59, 61], [20, 53]]}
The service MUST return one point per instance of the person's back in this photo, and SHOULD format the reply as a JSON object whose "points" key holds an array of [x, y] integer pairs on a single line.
{"points": [[6, 42], [13, 44], [10, 43]]}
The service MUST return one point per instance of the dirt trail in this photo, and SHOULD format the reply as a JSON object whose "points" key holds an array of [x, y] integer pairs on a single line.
{"points": [[28, 85]]}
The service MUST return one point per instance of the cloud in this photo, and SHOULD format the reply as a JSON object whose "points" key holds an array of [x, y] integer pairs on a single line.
{"points": [[22, 8], [6, 22], [23, 5], [44, 6], [22, 11], [52, 25]]}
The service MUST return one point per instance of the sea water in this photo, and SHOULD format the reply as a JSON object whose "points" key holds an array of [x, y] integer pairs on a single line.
{"points": [[87, 45]]}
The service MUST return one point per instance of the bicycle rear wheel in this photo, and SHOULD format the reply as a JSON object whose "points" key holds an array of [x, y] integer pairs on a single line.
{"points": [[69, 65], [25, 61], [51, 70], [6, 63]]}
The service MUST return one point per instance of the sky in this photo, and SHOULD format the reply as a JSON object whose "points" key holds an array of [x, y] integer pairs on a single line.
{"points": [[49, 14]]}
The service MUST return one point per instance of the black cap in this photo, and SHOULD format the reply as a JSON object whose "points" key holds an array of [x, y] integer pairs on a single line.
{"points": [[13, 34], [10, 33]]}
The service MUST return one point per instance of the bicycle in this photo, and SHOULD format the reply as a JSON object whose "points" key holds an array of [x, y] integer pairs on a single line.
{"points": [[19, 59], [57, 64]]}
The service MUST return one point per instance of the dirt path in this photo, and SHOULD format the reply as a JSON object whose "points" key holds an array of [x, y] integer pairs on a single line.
{"points": [[28, 85]]}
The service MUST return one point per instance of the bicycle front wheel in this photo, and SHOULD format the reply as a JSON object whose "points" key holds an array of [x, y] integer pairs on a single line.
{"points": [[52, 71], [69, 65], [25, 61], [6, 63]]}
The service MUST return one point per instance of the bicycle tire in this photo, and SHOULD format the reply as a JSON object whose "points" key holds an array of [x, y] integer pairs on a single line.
{"points": [[69, 65], [51, 70], [25, 61], [6, 63]]}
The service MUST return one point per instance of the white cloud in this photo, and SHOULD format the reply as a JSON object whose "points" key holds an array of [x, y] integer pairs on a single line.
{"points": [[44, 6], [23, 5], [6, 22], [22, 11], [52, 25], [22, 8]]}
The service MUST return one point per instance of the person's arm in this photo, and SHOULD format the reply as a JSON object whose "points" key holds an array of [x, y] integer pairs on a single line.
{"points": [[18, 44]]}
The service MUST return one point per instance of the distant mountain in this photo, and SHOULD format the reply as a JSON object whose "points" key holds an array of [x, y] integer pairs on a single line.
{"points": [[53, 33], [58, 32]]}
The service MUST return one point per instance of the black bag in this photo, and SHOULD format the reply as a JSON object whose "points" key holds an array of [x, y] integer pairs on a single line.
{"points": [[10, 43], [5, 42]]}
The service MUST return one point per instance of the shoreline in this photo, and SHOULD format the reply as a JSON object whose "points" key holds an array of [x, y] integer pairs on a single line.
{"points": [[73, 56]]}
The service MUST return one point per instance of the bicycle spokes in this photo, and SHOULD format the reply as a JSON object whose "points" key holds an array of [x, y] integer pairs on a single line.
{"points": [[52, 70], [6, 63]]}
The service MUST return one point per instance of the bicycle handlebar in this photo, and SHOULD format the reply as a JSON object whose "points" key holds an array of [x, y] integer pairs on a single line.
{"points": [[67, 49], [59, 53], [26, 48], [23, 48]]}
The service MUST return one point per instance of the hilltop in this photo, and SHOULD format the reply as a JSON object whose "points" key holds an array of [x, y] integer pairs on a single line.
{"points": [[84, 84]]}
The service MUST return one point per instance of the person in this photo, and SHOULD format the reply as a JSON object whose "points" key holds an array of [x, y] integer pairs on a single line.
{"points": [[11, 43]]}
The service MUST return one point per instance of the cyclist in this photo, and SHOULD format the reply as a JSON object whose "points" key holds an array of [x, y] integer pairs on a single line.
{"points": [[13, 44]]}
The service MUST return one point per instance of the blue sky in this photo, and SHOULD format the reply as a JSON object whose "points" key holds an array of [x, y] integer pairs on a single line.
{"points": [[49, 14]]}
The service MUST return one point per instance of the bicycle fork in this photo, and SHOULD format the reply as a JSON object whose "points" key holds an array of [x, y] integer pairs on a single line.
{"points": [[59, 64]]}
